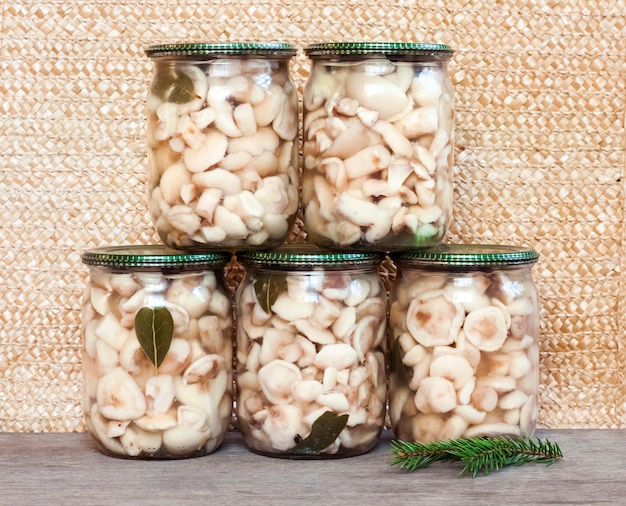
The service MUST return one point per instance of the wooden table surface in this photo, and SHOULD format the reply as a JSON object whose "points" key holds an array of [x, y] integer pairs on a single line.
{"points": [[66, 469]]}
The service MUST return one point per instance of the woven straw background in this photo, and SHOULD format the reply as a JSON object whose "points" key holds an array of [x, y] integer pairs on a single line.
{"points": [[540, 95]]}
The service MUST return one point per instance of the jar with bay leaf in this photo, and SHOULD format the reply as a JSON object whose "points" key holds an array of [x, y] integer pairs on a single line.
{"points": [[310, 355], [223, 145], [157, 352]]}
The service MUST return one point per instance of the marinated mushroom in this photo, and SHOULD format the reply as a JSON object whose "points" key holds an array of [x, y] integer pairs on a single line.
{"points": [[221, 138], [304, 353], [462, 365], [183, 406], [377, 131]]}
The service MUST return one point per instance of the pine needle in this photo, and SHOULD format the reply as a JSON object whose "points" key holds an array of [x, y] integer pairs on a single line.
{"points": [[486, 454]]}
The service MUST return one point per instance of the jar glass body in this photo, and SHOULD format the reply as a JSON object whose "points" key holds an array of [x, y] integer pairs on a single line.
{"points": [[311, 379], [223, 151], [464, 356], [378, 152], [169, 403]]}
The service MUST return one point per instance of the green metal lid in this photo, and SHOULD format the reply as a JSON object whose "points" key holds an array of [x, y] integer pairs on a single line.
{"points": [[155, 257], [406, 50], [468, 255], [307, 257], [219, 49]]}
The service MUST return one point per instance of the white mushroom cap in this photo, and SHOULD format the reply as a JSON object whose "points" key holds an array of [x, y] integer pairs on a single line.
{"points": [[290, 310], [276, 379], [206, 396], [132, 357], [204, 369], [336, 401], [512, 400], [209, 153], [189, 295], [191, 432], [492, 429], [486, 328], [528, 416], [158, 421], [470, 413], [177, 358], [314, 333], [376, 93], [368, 334], [266, 111], [435, 395], [137, 441], [484, 398], [124, 284], [119, 396], [344, 322], [306, 391], [433, 319], [339, 356], [116, 428], [414, 355], [426, 88], [427, 427], [282, 423], [111, 331], [107, 357], [273, 340], [454, 368], [326, 313], [210, 331], [98, 426], [99, 298], [159, 391]]}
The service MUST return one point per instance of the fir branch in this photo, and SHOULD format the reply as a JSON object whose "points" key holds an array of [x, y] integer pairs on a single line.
{"points": [[414, 456], [486, 454], [491, 454]]}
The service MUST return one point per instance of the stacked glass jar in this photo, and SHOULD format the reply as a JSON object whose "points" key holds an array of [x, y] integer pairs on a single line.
{"points": [[223, 145], [158, 320], [311, 326], [377, 176], [378, 146], [157, 354], [464, 357]]}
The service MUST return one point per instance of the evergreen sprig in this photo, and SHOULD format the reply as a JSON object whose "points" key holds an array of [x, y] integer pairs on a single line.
{"points": [[486, 454]]}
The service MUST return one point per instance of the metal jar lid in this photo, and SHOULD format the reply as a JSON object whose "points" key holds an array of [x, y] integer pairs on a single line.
{"points": [[223, 49], [303, 257], [467, 255], [152, 257], [392, 50]]}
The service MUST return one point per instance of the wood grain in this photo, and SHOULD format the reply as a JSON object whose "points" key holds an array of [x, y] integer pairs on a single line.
{"points": [[66, 469]]}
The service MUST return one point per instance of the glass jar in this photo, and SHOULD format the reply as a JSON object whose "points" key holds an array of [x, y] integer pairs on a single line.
{"points": [[311, 327], [223, 145], [378, 145], [464, 357], [157, 352]]}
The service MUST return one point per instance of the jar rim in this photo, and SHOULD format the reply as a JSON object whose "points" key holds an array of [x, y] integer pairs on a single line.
{"points": [[301, 256], [152, 257], [216, 49], [388, 49], [468, 255]]}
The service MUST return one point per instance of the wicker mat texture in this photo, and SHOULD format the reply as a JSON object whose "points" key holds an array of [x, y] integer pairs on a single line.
{"points": [[540, 94]]}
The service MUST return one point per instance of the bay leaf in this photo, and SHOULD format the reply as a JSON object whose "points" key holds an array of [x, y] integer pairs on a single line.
{"points": [[174, 86], [403, 372], [267, 288], [154, 328], [324, 431]]}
